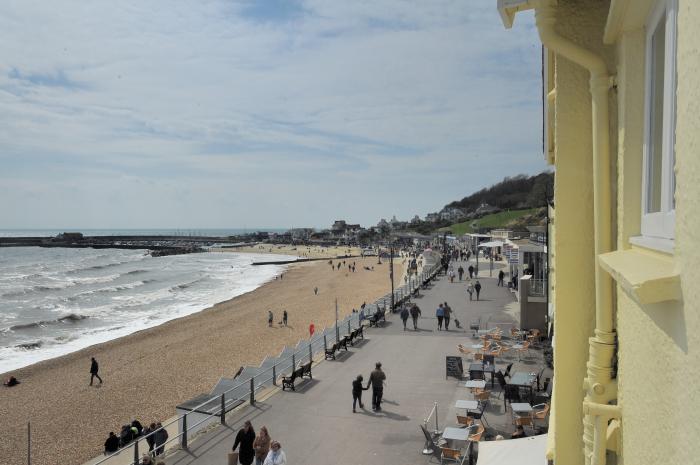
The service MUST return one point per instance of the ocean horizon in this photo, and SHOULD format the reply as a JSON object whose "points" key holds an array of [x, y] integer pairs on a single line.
{"points": [[217, 232]]}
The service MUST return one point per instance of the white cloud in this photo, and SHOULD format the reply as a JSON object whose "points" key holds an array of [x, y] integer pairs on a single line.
{"points": [[194, 114]]}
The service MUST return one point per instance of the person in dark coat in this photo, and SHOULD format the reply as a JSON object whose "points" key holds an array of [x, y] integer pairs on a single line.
{"points": [[477, 288], [245, 438], [404, 316], [357, 392], [415, 313], [94, 368], [471, 271], [112, 443], [161, 438], [501, 275], [151, 440], [376, 380]]}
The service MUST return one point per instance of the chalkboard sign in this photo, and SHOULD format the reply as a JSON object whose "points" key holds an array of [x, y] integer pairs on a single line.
{"points": [[454, 366]]}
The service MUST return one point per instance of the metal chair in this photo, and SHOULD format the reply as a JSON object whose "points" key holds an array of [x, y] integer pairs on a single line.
{"points": [[464, 421], [478, 429], [452, 455]]}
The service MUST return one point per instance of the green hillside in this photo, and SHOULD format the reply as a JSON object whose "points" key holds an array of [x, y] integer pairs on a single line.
{"points": [[493, 221]]}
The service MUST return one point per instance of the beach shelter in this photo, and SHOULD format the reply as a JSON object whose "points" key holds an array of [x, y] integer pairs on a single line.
{"points": [[524, 451]]}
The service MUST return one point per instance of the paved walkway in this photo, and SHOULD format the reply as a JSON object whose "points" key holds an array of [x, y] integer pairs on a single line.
{"points": [[316, 425]]}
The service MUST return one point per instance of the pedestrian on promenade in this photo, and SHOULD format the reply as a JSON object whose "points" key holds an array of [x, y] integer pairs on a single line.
{"points": [[94, 368], [261, 445], [270, 318], [151, 440], [245, 438], [501, 275], [471, 271], [447, 311], [276, 456], [460, 272], [404, 316], [415, 313], [161, 437], [376, 379], [112, 443], [440, 314], [285, 317], [357, 392], [470, 290], [477, 288]]}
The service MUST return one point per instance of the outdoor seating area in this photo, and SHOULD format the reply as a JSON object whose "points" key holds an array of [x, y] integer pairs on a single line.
{"points": [[504, 393]]}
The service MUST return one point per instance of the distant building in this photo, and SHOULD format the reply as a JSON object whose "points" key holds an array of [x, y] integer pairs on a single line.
{"points": [[301, 234], [432, 217], [452, 214], [339, 227], [416, 220]]}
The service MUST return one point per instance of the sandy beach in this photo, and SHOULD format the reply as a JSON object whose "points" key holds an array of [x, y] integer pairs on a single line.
{"points": [[148, 373]]}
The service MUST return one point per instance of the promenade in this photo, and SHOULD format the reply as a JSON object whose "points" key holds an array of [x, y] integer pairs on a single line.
{"points": [[316, 424]]}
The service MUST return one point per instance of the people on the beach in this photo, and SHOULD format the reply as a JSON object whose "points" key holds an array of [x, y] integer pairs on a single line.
{"points": [[470, 290], [415, 313], [440, 314], [161, 437], [270, 318], [276, 455], [357, 392], [315, 290], [447, 310], [501, 275], [376, 380], [261, 445], [112, 443], [94, 368], [245, 439], [285, 317], [477, 288], [11, 381], [404, 316]]}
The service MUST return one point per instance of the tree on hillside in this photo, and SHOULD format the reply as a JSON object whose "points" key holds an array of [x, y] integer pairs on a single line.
{"points": [[512, 193]]}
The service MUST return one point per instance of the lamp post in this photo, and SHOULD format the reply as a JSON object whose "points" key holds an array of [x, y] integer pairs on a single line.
{"points": [[391, 273], [337, 331]]}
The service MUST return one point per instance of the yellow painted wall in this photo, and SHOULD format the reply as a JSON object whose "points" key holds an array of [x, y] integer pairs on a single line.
{"points": [[659, 345]]}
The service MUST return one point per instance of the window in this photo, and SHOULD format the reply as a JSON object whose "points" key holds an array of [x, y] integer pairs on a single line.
{"points": [[659, 179]]}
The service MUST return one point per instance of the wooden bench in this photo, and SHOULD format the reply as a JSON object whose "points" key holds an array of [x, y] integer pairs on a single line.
{"points": [[303, 371], [378, 315], [330, 351]]}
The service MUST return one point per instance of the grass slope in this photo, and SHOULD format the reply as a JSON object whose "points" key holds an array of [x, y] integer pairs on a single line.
{"points": [[493, 221]]}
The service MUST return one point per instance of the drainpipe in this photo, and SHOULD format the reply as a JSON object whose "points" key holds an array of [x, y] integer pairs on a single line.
{"points": [[598, 385]]}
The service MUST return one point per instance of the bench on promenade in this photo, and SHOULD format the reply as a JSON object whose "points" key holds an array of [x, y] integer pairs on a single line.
{"points": [[303, 371], [355, 334], [379, 315], [342, 343]]}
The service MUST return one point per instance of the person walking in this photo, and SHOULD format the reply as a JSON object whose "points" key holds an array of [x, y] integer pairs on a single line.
{"points": [[276, 456], [151, 440], [245, 438], [261, 445], [501, 275], [404, 316], [460, 272], [470, 290], [477, 288], [161, 438], [94, 368], [415, 313], [447, 311], [357, 392], [376, 380], [471, 271], [285, 317], [270, 318], [440, 314]]}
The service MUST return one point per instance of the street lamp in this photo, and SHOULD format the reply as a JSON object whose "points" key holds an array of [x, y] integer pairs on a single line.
{"points": [[391, 273]]}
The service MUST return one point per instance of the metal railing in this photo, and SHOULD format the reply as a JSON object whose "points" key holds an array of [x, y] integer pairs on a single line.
{"points": [[219, 404]]}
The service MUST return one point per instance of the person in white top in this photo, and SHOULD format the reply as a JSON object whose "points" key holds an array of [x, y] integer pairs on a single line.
{"points": [[276, 455]]}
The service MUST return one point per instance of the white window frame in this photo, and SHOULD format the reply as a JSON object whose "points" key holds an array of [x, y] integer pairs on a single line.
{"points": [[661, 225]]}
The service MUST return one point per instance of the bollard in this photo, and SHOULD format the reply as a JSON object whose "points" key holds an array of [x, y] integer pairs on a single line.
{"points": [[252, 391], [274, 374], [223, 409], [183, 439], [136, 452]]}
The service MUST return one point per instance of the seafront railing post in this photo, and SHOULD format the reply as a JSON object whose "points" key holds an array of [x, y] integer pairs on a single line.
{"points": [[325, 342], [183, 439], [274, 374], [136, 452], [349, 330], [252, 391], [223, 409], [311, 353], [294, 361]]}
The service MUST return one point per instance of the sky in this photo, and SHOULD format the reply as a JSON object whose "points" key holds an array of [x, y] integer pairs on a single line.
{"points": [[259, 113]]}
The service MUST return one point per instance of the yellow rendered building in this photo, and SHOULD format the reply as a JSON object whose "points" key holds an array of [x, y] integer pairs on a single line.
{"points": [[622, 99]]}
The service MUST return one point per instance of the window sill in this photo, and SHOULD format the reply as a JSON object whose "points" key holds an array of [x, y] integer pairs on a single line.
{"points": [[646, 277], [655, 244]]}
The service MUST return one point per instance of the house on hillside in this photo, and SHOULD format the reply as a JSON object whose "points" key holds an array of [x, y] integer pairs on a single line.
{"points": [[452, 214], [432, 217], [622, 131]]}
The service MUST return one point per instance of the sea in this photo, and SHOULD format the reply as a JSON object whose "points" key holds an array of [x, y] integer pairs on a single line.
{"points": [[54, 301]]}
